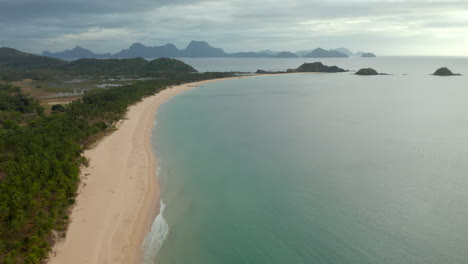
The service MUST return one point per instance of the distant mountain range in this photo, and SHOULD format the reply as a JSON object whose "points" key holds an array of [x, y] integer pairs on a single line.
{"points": [[199, 49], [77, 52], [18, 65], [321, 53]]}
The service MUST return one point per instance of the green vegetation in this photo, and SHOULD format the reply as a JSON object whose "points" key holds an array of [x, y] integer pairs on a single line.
{"points": [[307, 67], [14, 59], [444, 71], [318, 67], [367, 71], [58, 108], [40, 157], [17, 65], [169, 65], [126, 67], [16, 106]]}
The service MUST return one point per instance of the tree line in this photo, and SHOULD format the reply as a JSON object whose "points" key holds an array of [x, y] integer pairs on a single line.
{"points": [[41, 155]]}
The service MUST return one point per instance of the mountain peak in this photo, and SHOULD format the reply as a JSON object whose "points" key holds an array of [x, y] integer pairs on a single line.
{"points": [[344, 51], [321, 53], [198, 44], [75, 53], [79, 49], [199, 49], [170, 45], [137, 45]]}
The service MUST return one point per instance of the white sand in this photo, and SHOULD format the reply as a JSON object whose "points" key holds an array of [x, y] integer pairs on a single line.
{"points": [[119, 194]]}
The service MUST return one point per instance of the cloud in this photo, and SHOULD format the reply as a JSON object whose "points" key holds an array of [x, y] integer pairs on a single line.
{"points": [[236, 25]]}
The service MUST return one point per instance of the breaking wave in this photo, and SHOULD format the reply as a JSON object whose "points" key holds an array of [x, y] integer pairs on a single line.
{"points": [[155, 238]]}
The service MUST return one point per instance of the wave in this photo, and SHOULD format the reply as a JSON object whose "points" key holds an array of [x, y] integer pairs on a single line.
{"points": [[155, 238]]}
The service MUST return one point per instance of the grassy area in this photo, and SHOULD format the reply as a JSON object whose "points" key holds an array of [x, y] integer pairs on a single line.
{"points": [[65, 90]]}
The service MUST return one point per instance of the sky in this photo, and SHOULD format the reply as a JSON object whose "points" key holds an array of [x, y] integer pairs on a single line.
{"points": [[385, 27]]}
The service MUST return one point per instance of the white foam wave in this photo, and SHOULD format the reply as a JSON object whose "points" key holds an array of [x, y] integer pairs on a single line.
{"points": [[159, 171], [155, 238], [155, 123]]}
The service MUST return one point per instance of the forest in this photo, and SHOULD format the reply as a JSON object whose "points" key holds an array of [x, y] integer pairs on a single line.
{"points": [[41, 155]]}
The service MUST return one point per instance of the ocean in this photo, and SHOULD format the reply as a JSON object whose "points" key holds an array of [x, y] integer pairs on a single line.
{"points": [[315, 168]]}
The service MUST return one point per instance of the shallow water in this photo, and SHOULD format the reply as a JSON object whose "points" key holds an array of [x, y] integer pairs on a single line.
{"points": [[317, 168]]}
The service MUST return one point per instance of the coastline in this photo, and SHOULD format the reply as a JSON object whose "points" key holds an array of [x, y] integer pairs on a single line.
{"points": [[118, 197]]}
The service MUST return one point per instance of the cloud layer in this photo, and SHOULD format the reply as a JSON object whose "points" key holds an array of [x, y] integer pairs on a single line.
{"points": [[390, 27]]}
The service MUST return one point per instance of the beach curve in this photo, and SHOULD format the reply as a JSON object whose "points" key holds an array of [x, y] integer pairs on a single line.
{"points": [[118, 197]]}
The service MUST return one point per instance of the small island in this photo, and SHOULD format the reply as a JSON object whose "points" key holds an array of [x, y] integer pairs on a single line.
{"points": [[368, 55], [285, 54], [317, 67], [307, 67], [367, 71], [444, 71]]}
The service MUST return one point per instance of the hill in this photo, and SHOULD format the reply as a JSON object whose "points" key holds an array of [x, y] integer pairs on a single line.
{"points": [[201, 49], [367, 71], [344, 51], [12, 59], [321, 53], [105, 67], [195, 49], [285, 54], [134, 66], [368, 55], [444, 71], [76, 52], [16, 65], [168, 65], [140, 50], [317, 67]]}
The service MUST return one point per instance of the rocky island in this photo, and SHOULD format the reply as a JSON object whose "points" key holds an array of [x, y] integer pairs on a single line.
{"points": [[317, 67], [444, 71], [367, 71], [307, 67]]}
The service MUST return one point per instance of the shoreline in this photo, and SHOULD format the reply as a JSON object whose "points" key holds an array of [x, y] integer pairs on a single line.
{"points": [[118, 196]]}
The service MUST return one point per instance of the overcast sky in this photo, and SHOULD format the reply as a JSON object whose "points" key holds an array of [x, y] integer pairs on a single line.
{"points": [[391, 27]]}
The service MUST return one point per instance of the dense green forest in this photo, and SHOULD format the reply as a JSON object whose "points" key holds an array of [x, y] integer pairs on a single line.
{"points": [[40, 159]]}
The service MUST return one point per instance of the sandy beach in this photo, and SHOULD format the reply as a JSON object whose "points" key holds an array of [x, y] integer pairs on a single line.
{"points": [[118, 197]]}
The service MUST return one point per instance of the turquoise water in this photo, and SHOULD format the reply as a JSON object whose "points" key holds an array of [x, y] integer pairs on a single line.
{"points": [[314, 168]]}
